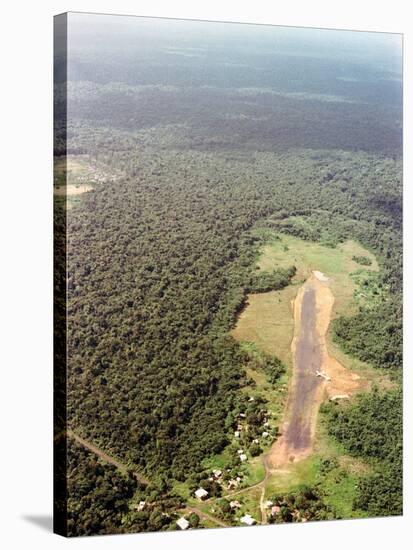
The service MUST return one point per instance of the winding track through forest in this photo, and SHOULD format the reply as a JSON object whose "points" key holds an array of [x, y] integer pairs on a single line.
{"points": [[123, 468], [106, 457]]}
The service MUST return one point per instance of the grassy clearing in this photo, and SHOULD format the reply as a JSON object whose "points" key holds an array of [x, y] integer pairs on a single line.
{"points": [[76, 175], [375, 377], [338, 484], [181, 488], [71, 171], [336, 263], [268, 322], [299, 474], [255, 473], [250, 503], [267, 325], [328, 467], [72, 177]]}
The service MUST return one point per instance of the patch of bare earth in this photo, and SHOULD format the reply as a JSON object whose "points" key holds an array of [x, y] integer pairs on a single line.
{"points": [[70, 190], [316, 375]]}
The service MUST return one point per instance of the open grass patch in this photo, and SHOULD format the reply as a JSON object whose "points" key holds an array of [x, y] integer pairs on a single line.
{"points": [[267, 320]]}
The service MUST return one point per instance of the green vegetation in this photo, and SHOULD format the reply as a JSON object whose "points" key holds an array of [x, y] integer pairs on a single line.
{"points": [[271, 366], [211, 203], [276, 280], [138, 328], [362, 260], [371, 428], [304, 505], [101, 500], [373, 335]]}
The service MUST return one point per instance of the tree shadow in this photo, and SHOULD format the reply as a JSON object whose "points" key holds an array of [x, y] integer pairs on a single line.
{"points": [[44, 522]]}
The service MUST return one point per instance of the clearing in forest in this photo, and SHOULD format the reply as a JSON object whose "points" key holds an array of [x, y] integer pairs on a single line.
{"points": [[293, 324], [268, 319]]}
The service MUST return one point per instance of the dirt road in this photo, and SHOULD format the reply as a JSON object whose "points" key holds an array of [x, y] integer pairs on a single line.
{"points": [[308, 388], [204, 515], [104, 456]]}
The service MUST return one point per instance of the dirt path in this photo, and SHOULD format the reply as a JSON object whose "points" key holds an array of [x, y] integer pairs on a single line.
{"points": [[312, 314], [204, 515], [263, 509], [107, 458]]}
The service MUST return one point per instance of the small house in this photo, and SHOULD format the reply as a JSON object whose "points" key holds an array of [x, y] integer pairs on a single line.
{"points": [[248, 520], [201, 494], [182, 523], [234, 504]]}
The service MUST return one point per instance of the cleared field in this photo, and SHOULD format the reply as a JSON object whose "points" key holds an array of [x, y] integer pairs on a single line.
{"points": [[267, 324], [76, 175], [267, 321], [69, 190], [336, 263]]}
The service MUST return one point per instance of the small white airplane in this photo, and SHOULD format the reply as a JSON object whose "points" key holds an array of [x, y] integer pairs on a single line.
{"points": [[322, 374]]}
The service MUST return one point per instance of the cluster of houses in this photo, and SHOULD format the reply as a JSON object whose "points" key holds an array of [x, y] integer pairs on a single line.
{"points": [[216, 476], [246, 519], [240, 427], [202, 494]]}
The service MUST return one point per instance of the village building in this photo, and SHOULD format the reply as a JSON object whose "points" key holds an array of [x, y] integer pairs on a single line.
{"points": [[248, 520], [201, 493], [235, 504], [243, 457], [182, 523]]}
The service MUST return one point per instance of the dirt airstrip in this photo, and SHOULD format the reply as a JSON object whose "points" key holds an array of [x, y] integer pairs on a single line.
{"points": [[316, 375]]}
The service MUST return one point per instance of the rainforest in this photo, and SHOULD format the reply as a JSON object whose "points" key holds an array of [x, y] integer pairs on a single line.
{"points": [[229, 193]]}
